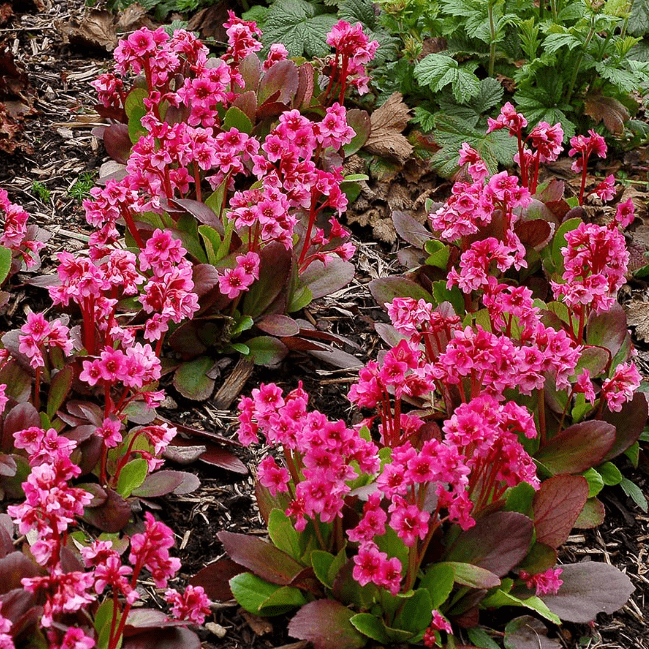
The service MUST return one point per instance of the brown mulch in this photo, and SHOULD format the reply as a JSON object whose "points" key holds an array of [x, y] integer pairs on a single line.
{"points": [[56, 149]]}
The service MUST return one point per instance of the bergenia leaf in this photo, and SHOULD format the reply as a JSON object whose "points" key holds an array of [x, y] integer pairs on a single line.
{"points": [[111, 516], [13, 567], [167, 638], [497, 542], [326, 624], [557, 504], [526, 632], [410, 230], [277, 324], [264, 559], [266, 350], [214, 579], [592, 515], [589, 588], [161, 483], [5, 263], [629, 424], [577, 448], [192, 381], [323, 279], [253, 592], [385, 289]]}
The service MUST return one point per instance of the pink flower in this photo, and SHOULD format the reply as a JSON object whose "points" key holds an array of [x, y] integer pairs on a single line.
{"points": [[408, 521], [545, 583], [74, 638], [273, 477], [191, 605], [625, 213], [621, 387]]}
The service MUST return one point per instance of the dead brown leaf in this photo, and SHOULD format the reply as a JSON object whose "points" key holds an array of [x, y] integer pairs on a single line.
{"points": [[608, 109], [96, 29], [638, 316], [132, 18], [13, 81], [260, 625], [209, 22], [10, 129], [5, 12], [388, 122]]}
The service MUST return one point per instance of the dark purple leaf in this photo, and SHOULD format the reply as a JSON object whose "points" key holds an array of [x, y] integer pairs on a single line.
{"points": [[629, 424], [214, 579], [183, 455], [159, 483], [6, 543], [324, 280], [250, 70], [203, 434], [59, 389], [326, 624], [359, 120], [592, 515], [307, 330], [117, 142], [20, 417], [388, 333], [411, 257], [607, 329], [247, 102], [17, 380], [473, 576], [281, 78], [274, 274], [577, 448], [271, 108], [589, 588], [8, 466], [557, 504], [266, 350], [410, 230], [205, 278], [112, 516], [168, 638], [217, 456], [385, 289], [337, 358], [526, 632], [201, 212], [186, 341], [80, 433], [534, 233], [192, 381], [552, 192], [297, 344], [263, 559], [594, 359], [498, 542], [277, 324], [13, 568], [86, 411], [99, 495], [148, 618], [306, 85], [267, 502]]}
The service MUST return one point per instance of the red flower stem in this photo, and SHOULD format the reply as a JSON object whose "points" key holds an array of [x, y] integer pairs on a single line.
{"points": [[197, 181], [132, 228], [584, 173]]}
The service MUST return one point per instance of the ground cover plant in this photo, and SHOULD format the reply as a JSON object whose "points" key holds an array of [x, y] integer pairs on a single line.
{"points": [[452, 498]]}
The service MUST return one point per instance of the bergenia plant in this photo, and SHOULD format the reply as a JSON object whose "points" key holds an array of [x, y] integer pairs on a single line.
{"points": [[495, 419], [240, 160]]}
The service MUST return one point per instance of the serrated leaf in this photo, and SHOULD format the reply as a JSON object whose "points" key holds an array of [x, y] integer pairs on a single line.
{"points": [[465, 85], [436, 71]]}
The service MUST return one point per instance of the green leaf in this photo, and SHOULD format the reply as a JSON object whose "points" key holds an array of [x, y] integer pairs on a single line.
{"points": [[135, 101], [266, 350], [438, 580], [416, 613], [132, 475], [321, 562], [480, 638], [300, 26], [59, 389], [499, 598], [251, 591], [635, 493], [595, 482], [135, 128], [453, 295], [236, 118], [283, 534], [5, 263], [465, 85], [639, 20], [436, 71], [372, 626], [282, 600], [103, 622], [192, 381], [472, 576], [555, 42], [611, 475]]}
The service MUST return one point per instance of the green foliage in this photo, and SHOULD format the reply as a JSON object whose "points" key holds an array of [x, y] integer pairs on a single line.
{"points": [[160, 8], [81, 187], [42, 192]]}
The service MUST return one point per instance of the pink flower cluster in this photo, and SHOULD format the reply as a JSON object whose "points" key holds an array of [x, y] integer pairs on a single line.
{"points": [[39, 335], [17, 235], [595, 261], [544, 583], [545, 140], [327, 452]]}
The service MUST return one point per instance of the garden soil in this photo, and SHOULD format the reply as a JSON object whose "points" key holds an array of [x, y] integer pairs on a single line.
{"points": [[49, 52]]}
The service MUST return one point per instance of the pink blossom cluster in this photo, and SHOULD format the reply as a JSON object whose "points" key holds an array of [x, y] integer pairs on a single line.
{"points": [[322, 453], [546, 143], [544, 583], [472, 205], [595, 262], [17, 235], [439, 623], [39, 335], [353, 51]]}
